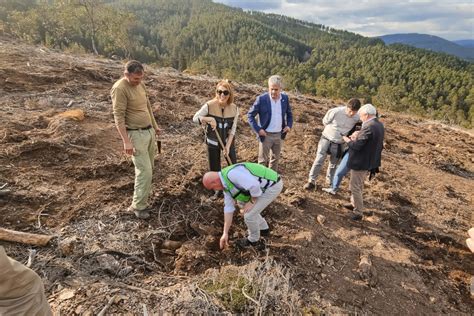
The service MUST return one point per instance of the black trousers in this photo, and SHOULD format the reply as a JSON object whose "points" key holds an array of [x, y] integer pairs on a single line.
{"points": [[214, 155]]}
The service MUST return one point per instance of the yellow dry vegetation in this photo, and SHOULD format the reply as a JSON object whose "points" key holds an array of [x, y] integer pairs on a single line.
{"points": [[75, 114]]}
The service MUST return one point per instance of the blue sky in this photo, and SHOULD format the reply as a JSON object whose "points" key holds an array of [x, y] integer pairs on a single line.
{"points": [[449, 19]]}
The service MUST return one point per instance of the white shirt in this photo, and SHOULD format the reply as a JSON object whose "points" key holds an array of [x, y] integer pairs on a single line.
{"points": [[275, 121], [243, 179]]}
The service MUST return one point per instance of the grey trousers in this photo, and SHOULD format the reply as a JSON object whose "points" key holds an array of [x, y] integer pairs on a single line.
{"points": [[253, 219], [321, 153], [269, 150], [356, 186]]}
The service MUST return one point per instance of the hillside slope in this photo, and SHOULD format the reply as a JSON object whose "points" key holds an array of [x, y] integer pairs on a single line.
{"points": [[430, 42], [69, 178], [203, 37]]}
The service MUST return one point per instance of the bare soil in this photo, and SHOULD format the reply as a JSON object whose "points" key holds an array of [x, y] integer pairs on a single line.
{"points": [[68, 178]]}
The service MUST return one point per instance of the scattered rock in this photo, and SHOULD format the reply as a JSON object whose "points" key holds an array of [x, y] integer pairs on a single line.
{"points": [[321, 219], [366, 270], [66, 294], [69, 246], [108, 263]]}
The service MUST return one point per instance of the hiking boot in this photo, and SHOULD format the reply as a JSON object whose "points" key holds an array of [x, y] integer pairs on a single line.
{"points": [[244, 243], [265, 232], [355, 216], [141, 214], [309, 186], [349, 206], [368, 213], [329, 190]]}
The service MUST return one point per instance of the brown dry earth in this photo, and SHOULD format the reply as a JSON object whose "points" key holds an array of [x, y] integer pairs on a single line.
{"points": [[68, 178]]}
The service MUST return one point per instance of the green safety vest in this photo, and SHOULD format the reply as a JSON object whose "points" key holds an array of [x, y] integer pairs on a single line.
{"points": [[255, 169]]}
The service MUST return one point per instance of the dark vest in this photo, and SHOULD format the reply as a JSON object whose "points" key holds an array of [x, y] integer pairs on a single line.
{"points": [[224, 117]]}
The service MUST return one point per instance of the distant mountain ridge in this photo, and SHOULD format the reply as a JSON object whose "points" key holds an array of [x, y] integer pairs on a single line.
{"points": [[465, 43], [430, 42], [249, 46]]}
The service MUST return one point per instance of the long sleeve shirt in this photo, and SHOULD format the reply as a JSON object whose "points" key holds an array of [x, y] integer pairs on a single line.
{"points": [[204, 111], [243, 179], [337, 123], [131, 107]]}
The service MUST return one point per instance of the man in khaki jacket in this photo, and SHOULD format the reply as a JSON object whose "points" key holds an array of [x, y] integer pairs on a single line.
{"points": [[137, 127], [21, 289]]}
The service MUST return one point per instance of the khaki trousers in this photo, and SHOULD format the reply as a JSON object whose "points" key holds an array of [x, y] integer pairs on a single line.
{"points": [[253, 219], [356, 186], [21, 289], [269, 150], [144, 143]]}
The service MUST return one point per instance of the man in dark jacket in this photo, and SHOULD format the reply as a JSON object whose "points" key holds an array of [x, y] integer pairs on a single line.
{"points": [[365, 153], [274, 122]]}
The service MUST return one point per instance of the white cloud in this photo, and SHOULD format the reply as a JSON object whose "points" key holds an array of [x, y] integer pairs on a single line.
{"points": [[450, 19]]}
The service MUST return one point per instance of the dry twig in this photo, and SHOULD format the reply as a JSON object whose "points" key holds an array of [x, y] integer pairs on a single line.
{"points": [[31, 258]]}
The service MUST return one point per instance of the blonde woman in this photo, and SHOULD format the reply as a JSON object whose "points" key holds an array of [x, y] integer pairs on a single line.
{"points": [[219, 115]]}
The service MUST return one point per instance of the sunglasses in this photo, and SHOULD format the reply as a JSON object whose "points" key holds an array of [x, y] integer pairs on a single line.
{"points": [[224, 92]]}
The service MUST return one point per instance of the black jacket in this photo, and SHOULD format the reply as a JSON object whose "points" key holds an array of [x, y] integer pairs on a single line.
{"points": [[365, 153]]}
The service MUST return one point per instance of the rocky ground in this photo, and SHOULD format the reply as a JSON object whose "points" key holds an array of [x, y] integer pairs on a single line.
{"points": [[66, 176]]}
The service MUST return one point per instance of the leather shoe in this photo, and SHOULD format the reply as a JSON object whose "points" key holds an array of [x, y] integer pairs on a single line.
{"points": [[265, 232], [349, 206], [244, 243], [356, 216], [141, 214]]}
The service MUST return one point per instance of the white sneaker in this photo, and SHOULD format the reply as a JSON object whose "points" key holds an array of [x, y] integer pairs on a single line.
{"points": [[329, 190]]}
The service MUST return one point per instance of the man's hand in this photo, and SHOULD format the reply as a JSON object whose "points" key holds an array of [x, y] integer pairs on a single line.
{"points": [[287, 129], [354, 135], [128, 148], [346, 139], [227, 148], [158, 131], [262, 132], [224, 241]]}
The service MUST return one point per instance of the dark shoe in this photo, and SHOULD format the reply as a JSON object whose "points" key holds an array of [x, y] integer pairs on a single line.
{"points": [[309, 186], [244, 243], [265, 232], [356, 216], [141, 214], [349, 206]]}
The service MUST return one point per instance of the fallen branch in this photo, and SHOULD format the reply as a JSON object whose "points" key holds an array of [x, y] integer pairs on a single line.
{"points": [[24, 238], [106, 307]]}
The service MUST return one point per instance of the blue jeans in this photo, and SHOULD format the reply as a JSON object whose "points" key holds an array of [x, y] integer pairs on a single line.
{"points": [[341, 171]]}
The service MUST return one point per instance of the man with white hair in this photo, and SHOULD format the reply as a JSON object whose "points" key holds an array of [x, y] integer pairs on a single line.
{"points": [[365, 153], [274, 122]]}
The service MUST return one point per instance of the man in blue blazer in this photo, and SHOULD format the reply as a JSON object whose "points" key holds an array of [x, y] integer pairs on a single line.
{"points": [[274, 122]]}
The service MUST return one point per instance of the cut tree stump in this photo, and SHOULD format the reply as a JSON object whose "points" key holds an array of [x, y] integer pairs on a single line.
{"points": [[24, 238]]}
